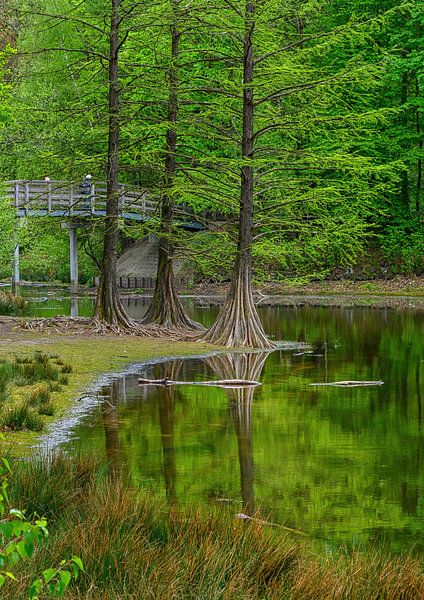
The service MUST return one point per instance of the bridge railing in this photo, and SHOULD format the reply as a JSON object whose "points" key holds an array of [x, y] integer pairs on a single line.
{"points": [[73, 198], [66, 199]]}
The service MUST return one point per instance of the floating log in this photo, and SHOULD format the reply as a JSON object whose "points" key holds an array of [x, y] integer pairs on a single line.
{"points": [[224, 383], [350, 383]]}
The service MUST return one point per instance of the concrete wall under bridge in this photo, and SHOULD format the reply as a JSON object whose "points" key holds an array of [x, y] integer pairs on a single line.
{"points": [[136, 267]]}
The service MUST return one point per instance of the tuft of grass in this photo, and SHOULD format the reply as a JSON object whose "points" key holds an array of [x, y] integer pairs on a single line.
{"points": [[55, 386], [135, 546], [40, 368], [37, 394], [47, 409], [21, 417], [26, 385], [66, 368], [11, 305], [6, 376], [63, 380]]}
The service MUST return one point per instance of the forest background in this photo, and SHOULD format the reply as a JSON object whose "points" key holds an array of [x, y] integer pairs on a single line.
{"points": [[338, 139]]}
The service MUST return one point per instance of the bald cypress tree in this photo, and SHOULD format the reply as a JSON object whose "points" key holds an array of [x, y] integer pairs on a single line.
{"points": [[109, 308], [296, 135], [166, 308]]}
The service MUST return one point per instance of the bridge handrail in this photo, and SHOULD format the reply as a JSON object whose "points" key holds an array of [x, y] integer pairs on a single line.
{"points": [[51, 195], [66, 199]]}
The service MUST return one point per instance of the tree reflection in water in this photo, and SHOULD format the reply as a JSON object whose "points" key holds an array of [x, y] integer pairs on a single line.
{"points": [[109, 410], [167, 398], [246, 366]]}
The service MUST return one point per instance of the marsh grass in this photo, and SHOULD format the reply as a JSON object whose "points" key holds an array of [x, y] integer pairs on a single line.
{"points": [[18, 417], [134, 546], [26, 387], [11, 305]]}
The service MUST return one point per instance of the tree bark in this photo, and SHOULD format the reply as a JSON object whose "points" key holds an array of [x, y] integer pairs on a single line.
{"points": [[109, 308], [404, 183], [238, 323], [166, 308], [420, 148]]}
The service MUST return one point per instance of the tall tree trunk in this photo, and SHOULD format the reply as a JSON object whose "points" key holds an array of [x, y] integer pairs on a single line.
{"points": [[420, 149], [404, 183], [166, 308], [109, 308], [238, 323]]}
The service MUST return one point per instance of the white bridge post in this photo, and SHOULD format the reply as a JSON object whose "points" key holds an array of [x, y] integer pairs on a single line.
{"points": [[15, 262], [73, 257], [15, 271]]}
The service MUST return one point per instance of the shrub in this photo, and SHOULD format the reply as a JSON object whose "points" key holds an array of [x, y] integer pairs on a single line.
{"points": [[18, 541], [403, 246], [11, 305]]}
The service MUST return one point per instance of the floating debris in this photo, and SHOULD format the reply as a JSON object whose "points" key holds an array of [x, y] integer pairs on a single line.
{"points": [[350, 383]]}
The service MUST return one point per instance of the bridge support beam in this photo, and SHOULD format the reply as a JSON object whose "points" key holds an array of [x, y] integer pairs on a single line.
{"points": [[73, 257], [16, 279]]}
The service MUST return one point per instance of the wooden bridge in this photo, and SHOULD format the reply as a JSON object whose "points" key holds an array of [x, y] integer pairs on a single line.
{"points": [[78, 202]]}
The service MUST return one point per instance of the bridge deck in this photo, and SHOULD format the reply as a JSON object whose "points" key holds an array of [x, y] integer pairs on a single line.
{"points": [[79, 202], [62, 199]]}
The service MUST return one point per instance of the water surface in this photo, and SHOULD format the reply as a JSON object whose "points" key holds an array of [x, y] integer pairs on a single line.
{"points": [[344, 465]]}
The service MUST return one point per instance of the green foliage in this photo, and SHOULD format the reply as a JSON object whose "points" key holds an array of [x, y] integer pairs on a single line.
{"points": [[8, 237], [403, 246], [19, 539], [211, 256], [338, 125]]}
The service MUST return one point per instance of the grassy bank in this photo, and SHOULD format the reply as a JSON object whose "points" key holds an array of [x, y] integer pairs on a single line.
{"points": [[87, 356], [135, 547]]}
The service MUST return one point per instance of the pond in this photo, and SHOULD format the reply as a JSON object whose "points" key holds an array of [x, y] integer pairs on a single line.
{"points": [[343, 465]]}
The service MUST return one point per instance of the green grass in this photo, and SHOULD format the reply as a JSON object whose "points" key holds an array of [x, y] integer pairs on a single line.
{"points": [[134, 546], [26, 387]]}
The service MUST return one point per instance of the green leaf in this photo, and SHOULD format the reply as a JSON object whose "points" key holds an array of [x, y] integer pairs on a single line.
{"points": [[48, 574], [15, 512], [6, 529], [6, 464], [78, 562], [35, 589], [20, 547], [2, 580], [65, 577]]}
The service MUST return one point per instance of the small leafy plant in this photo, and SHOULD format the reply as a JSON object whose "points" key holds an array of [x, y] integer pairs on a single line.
{"points": [[19, 538]]}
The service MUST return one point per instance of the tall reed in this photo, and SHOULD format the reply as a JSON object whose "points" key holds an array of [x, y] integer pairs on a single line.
{"points": [[134, 546]]}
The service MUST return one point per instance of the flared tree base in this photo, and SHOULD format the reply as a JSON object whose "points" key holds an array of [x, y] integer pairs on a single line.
{"points": [[110, 315], [166, 308], [238, 324], [169, 313]]}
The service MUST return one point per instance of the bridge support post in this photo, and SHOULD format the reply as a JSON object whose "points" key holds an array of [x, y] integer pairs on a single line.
{"points": [[73, 257], [15, 271]]}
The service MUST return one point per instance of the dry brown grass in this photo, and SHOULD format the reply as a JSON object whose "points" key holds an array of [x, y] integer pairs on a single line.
{"points": [[134, 546]]}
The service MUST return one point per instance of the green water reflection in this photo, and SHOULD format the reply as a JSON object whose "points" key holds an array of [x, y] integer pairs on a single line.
{"points": [[344, 465]]}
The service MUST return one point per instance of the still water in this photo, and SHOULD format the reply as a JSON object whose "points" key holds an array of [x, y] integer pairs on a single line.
{"points": [[343, 465]]}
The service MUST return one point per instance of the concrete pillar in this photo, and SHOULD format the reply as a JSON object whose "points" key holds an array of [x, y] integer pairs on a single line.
{"points": [[73, 257], [74, 307], [15, 271]]}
